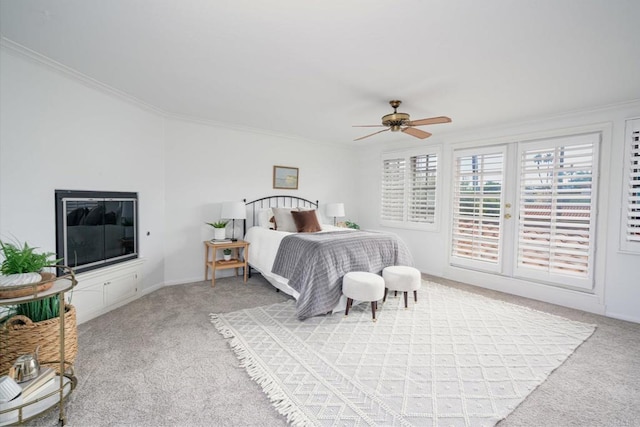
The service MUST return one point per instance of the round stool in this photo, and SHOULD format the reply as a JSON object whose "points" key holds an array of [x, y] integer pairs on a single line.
{"points": [[401, 278], [363, 286]]}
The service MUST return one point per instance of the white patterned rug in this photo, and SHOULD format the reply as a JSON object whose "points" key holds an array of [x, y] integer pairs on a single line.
{"points": [[454, 359]]}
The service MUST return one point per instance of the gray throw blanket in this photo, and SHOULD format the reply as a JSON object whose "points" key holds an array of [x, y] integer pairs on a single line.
{"points": [[314, 263]]}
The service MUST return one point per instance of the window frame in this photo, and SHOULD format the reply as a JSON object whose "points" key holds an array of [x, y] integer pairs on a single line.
{"points": [[406, 155]]}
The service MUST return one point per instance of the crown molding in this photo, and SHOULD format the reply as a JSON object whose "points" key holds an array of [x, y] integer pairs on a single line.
{"points": [[24, 52], [546, 121], [240, 128]]}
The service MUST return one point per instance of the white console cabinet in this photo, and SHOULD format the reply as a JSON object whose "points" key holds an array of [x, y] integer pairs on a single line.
{"points": [[102, 290]]}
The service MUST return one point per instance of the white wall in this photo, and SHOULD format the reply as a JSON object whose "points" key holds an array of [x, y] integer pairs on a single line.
{"points": [[58, 133], [207, 165], [617, 287]]}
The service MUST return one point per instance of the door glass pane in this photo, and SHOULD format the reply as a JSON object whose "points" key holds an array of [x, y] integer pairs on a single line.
{"points": [[85, 231], [557, 209], [477, 201]]}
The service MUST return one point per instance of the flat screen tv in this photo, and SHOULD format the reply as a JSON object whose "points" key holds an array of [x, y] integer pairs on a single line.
{"points": [[96, 228]]}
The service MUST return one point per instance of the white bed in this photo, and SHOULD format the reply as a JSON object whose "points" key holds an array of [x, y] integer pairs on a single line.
{"points": [[262, 254], [314, 261]]}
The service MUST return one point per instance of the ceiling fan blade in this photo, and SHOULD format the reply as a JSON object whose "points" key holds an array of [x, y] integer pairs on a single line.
{"points": [[416, 132], [430, 121], [375, 133], [368, 126]]}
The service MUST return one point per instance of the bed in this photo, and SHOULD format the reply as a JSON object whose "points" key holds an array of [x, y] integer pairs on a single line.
{"points": [[310, 265]]}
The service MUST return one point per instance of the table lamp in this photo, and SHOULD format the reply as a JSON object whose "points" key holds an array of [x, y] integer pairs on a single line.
{"points": [[233, 211], [335, 210]]}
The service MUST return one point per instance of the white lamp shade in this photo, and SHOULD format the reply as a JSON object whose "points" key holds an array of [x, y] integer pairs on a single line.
{"points": [[335, 209], [233, 210]]}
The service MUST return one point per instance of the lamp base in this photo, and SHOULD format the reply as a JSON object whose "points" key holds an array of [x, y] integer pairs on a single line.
{"points": [[233, 230]]}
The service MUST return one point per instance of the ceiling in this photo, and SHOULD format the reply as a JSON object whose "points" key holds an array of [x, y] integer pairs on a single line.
{"points": [[313, 68]]}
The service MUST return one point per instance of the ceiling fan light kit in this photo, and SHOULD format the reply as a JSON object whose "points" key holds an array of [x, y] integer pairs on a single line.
{"points": [[395, 120], [402, 122]]}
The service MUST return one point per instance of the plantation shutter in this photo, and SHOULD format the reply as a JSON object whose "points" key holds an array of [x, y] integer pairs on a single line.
{"points": [[422, 189], [393, 171], [477, 199], [632, 233], [557, 210], [409, 189]]}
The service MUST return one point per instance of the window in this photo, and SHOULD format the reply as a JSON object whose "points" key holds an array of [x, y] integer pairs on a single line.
{"points": [[557, 208], [409, 189], [631, 197]]}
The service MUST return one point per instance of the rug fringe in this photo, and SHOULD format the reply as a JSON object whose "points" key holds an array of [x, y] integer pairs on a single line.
{"points": [[279, 399]]}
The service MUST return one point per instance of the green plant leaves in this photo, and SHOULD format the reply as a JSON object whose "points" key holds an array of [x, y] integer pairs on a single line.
{"points": [[219, 224], [23, 259], [40, 310]]}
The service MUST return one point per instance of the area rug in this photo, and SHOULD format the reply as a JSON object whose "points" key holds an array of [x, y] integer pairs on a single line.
{"points": [[453, 359]]}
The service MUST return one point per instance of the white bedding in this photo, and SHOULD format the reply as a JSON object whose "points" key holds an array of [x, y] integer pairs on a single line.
{"points": [[262, 253]]}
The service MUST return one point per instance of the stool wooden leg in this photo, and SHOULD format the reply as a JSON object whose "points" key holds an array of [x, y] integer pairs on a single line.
{"points": [[415, 296], [373, 310], [346, 310], [385, 294], [405, 299]]}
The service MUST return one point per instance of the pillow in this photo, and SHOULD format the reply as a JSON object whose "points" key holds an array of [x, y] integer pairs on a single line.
{"points": [[306, 221], [284, 220], [264, 218]]}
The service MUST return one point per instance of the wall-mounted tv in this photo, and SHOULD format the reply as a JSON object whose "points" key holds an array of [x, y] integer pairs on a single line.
{"points": [[96, 228]]}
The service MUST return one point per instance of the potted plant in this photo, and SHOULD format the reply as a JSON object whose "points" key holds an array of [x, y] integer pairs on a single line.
{"points": [[36, 322], [227, 254], [219, 229], [353, 225], [21, 265]]}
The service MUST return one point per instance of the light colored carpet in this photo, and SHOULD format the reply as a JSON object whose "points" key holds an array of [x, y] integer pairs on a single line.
{"points": [[455, 359], [158, 361]]}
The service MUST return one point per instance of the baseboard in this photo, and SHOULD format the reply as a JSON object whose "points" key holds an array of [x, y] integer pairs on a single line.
{"points": [[554, 295], [623, 317], [150, 289], [184, 281], [220, 275]]}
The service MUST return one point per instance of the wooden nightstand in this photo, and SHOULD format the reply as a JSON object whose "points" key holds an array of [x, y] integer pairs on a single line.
{"points": [[235, 262]]}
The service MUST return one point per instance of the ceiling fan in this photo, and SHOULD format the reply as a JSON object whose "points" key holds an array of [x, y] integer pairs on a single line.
{"points": [[402, 122]]}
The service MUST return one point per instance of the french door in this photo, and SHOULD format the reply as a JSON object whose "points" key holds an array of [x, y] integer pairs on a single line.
{"points": [[477, 237], [528, 209]]}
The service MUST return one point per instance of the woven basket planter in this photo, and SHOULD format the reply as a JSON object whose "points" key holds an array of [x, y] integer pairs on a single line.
{"points": [[19, 335]]}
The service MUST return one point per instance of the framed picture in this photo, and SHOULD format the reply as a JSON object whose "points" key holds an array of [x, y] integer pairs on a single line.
{"points": [[285, 177]]}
